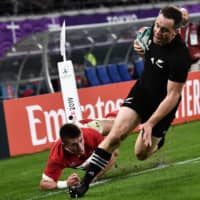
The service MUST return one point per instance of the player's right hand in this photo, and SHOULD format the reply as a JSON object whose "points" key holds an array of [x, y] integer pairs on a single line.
{"points": [[137, 48], [73, 179]]}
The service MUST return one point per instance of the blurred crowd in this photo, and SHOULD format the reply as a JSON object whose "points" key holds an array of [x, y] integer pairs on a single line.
{"points": [[23, 7]]}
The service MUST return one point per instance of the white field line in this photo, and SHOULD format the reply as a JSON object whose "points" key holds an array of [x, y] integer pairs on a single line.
{"points": [[159, 167]]}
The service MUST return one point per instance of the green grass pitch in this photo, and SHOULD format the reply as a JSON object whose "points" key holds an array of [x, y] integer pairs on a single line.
{"points": [[162, 176]]}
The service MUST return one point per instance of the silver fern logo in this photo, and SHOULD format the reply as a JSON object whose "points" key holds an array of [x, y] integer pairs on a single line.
{"points": [[128, 100]]}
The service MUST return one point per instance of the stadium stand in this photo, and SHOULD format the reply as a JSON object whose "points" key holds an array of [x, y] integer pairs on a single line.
{"points": [[29, 46], [114, 73], [123, 71], [102, 74], [21, 7], [91, 76]]}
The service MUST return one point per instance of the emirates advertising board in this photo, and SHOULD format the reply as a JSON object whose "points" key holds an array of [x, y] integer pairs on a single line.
{"points": [[33, 123]]}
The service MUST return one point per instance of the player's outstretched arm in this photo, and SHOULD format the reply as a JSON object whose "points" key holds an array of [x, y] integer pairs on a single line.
{"points": [[48, 183]]}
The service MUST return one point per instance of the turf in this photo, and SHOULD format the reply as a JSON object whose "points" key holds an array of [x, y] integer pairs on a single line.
{"points": [[20, 176]]}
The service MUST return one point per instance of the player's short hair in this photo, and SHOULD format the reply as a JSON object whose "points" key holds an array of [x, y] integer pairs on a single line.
{"points": [[174, 13], [69, 130]]}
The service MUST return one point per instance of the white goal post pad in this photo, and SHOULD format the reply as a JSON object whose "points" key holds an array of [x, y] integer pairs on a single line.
{"points": [[69, 91]]}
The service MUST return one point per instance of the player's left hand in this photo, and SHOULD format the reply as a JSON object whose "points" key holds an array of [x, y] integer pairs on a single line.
{"points": [[146, 131], [73, 179], [78, 190]]}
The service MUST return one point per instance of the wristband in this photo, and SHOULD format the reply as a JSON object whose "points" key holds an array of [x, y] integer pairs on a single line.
{"points": [[61, 184]]}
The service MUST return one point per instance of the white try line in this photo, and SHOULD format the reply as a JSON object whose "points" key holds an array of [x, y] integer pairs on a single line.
{"points": [[159, 167]]}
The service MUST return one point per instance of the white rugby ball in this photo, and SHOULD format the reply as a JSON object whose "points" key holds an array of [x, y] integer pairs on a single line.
{"points": [[143, 35], [97, 125]]}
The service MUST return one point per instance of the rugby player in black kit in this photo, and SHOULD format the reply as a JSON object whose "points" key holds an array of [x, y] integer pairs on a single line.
{"points": [[154, 98]]}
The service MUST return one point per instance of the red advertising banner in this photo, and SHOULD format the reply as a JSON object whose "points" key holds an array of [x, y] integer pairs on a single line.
{"points": [[189, 108], [33, 123]]}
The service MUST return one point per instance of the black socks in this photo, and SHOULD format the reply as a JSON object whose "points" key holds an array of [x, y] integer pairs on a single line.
{"points": [[100, 158]]}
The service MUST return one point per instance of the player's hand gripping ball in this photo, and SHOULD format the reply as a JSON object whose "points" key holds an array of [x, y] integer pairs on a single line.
{"points": [[143, 36]]}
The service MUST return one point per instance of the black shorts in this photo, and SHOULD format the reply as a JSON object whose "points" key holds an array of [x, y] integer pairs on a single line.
{"points": [[145, 106]]}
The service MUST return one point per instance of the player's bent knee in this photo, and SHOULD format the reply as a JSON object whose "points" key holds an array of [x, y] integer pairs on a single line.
{"points": [[141, 155]]}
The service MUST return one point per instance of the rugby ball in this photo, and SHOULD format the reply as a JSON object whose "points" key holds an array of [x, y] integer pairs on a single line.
{"points": [[143, 35], [97, 125]]}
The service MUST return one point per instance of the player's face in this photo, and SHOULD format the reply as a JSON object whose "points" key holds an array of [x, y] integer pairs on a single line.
{"points": [[75, 145], [164, 30], [185, 16]]}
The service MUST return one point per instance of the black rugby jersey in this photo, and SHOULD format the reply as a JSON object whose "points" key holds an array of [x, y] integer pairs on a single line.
{"points": [[163, 63]]}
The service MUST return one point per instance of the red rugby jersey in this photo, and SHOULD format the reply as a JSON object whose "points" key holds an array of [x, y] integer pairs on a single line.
{"points": [[60, 159]]}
